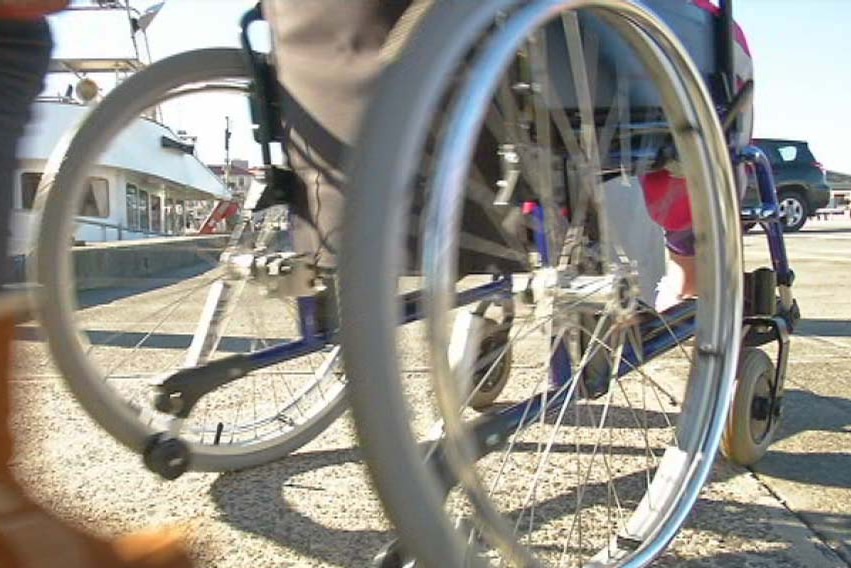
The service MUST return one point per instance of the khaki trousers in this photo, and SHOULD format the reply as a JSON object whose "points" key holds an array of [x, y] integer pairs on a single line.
{"points": [[329, 55]]}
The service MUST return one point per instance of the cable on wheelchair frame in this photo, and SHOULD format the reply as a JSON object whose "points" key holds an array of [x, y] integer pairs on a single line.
{"points": [[743, 98]]}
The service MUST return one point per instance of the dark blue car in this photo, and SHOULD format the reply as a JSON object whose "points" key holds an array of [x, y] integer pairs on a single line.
{"points": [[799, 177]]}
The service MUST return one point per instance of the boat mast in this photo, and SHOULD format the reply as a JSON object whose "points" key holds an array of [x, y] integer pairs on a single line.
{"points": [[227, 152]]}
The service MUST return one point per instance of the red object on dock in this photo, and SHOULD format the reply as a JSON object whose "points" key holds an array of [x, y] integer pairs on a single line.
{"points": [[223, 210]]}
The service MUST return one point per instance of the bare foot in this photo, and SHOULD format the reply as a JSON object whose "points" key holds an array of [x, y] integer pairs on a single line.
{"points": [[679, 282]]}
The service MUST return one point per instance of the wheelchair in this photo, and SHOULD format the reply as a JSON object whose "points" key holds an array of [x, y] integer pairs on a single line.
{"points": [[555, 415], [610, 411]]}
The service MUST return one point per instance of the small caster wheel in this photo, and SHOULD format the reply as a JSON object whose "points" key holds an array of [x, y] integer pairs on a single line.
{"points": [[597, 372], [392, 556], [493, 365], [166, 456], [750, 425], [482, 344]]}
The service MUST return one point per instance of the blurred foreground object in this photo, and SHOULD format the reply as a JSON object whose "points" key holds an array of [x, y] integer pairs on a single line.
{"points": [[31, 537], [29, 9]]}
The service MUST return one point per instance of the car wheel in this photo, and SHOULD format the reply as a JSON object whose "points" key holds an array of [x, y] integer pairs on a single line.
{"points": [[793, 211]]}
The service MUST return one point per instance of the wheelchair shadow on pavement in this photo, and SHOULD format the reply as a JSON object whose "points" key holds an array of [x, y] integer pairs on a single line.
{"points": [[808, 412], [729, 528], [310, 504], [809, 465], [722, 530], [804, 475], [305, 507]]}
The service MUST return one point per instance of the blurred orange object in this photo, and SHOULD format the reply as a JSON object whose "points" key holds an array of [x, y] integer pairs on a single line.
{"points": [[28, 9], [31, 537]]}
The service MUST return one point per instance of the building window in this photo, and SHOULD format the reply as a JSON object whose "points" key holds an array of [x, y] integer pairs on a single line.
{"points": [[169, 216], [181, 221], [132, 207], [144, 212], [96, 201], [156, 214], [29, 187], [138, 213]]}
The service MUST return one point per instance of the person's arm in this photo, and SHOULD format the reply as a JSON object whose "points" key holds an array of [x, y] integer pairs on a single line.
{"points": [[29, 9]]}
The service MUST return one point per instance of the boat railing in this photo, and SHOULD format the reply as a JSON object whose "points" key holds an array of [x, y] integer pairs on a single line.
{"points": [[120, 231]]}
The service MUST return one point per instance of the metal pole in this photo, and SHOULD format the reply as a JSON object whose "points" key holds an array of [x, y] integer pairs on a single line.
{"points": [[726, 37], [227, 152]]}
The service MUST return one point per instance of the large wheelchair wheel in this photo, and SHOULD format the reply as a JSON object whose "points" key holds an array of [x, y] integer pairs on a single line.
{"points": [[121, 316], [506, 145]]}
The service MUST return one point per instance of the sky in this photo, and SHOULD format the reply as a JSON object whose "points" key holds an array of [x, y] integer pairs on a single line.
{"points": [[181, 25], [802, 73], [801, 50]]}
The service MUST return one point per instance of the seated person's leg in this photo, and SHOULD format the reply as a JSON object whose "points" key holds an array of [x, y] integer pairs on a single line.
{"points": [[668, 204], [680, 280], [329, 54]]}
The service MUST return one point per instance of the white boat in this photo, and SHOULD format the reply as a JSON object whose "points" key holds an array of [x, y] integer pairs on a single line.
{"points": [[139, 188], [145, 185]]}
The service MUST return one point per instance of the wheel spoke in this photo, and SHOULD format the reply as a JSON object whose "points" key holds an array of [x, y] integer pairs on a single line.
{"points": [[153, 322]]}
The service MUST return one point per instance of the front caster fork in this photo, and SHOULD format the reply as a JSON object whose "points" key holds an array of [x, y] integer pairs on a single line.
{"points": [[763, 330]]}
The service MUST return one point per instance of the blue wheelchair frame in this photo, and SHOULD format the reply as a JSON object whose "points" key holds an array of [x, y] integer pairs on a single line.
{"points": [[658, 334]]}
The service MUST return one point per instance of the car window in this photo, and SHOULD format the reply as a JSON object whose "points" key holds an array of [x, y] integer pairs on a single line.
{"points": [[788, 153], [771, 153]]}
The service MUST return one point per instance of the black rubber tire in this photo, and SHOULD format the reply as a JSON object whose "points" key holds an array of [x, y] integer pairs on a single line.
{"points": [[794, 197], [494, 338]]}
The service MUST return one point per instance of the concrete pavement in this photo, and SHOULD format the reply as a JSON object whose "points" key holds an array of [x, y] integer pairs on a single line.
{"points": [[809, 467], [316, 508]]}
